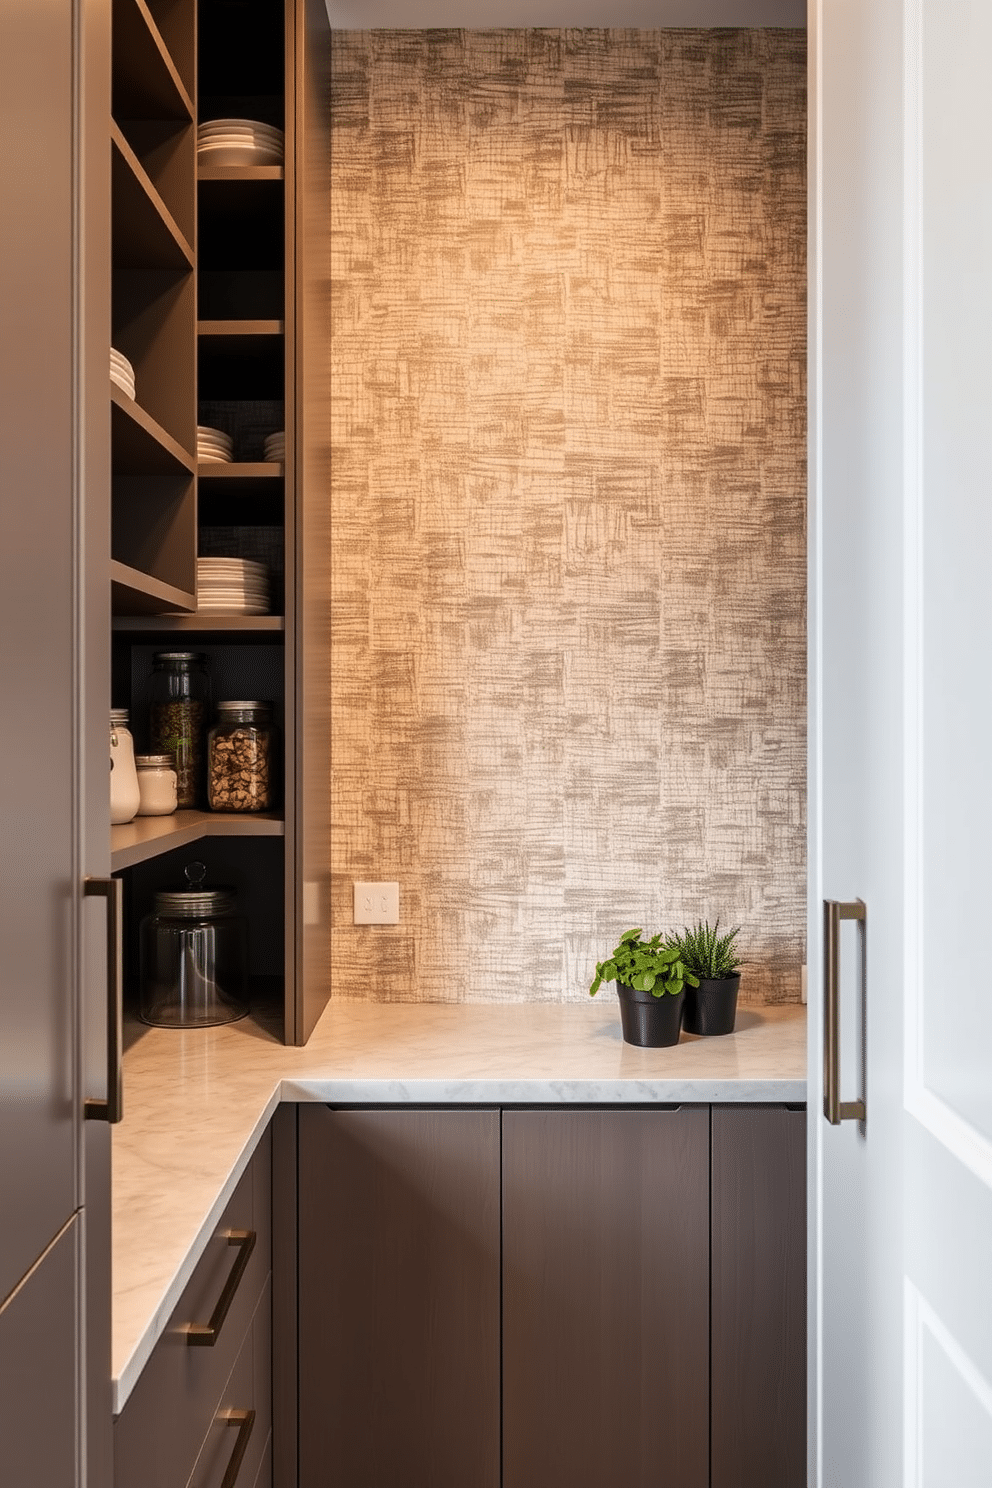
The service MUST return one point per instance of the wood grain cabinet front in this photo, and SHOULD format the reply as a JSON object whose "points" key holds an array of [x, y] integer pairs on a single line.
{"points": [[399, 1286], [572, 1295], [171, 1417], [606, 1297]]}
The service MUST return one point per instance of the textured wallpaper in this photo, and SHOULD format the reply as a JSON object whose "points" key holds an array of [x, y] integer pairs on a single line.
{"points": [[569, 670]]}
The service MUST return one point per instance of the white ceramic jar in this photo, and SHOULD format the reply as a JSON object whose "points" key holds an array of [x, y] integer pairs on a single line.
{"points": [[157, 783], [125, 797]]}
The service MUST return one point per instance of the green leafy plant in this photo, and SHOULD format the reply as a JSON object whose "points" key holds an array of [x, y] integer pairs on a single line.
{"points": [[705, 952], [647, 965]]}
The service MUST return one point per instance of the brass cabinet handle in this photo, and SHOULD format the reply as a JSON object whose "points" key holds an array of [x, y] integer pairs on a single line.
{"points": [[245, 1422], [111, 1109], [834, 1109], [207, 1334]]}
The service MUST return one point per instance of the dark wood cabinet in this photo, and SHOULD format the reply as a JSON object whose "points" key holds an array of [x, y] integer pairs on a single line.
{"points": [[183, 1420], [563, 1295], [758, 1370], [606, 1298], [399, 1286]]}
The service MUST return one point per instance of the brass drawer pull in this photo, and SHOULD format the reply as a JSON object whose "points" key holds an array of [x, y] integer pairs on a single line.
{"points": [[245, 1422], [207, 1334]]}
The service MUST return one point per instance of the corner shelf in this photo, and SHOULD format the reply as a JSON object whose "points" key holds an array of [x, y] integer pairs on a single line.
{"points": [[146, 83], [135, 593], [139, 444], [144, 233], [150, 836]]}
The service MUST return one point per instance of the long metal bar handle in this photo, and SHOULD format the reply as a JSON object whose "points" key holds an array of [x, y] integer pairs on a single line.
{"points": [[244, 1420], [111, 1109], [835, 910], [207, 1334]]}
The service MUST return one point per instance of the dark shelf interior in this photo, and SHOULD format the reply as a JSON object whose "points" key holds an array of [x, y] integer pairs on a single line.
{"points": [[250, 365], [241, 227], [241, 42]]}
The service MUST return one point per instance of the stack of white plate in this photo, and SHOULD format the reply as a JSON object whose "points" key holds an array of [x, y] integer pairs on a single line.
{"points": [[235, 586], [275, 447], [239, 142], [121, 372], [214, 444]]}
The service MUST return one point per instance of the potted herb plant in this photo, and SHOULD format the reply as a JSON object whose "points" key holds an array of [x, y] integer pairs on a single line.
{"points": [[712, 961], [651, 979]]}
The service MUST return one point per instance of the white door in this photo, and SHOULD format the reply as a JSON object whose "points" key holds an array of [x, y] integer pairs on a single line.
{"points": [[901, 739]]}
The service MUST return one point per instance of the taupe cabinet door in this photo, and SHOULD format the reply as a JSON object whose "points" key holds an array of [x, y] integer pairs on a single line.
{"points": [[759, 1297], [606, 1298], [38, 1401], [37, 630], [399, 1285]]}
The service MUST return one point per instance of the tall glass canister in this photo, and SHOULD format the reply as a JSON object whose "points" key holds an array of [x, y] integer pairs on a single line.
{"points": [[180, 710], [193, 956]]}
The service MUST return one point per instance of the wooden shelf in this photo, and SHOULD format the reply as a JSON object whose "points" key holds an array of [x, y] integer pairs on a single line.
{"points": [[150, 836], [248, 470], [139, 445], [144, 234], [240, 627], [240, 173], [207, 328], [136, 593], [146, 83]]}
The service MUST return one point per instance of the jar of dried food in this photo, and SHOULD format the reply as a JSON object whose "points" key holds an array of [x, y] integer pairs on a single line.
{"points": [[156, 784], [241, 766], [180, 708], [124, 795], [193, 957]]}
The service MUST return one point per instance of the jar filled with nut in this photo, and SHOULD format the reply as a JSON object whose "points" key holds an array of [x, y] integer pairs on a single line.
{"points": [[180, 708], [241, 758]]}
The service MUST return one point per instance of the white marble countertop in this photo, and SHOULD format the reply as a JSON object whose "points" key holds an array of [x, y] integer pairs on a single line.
{"points": [[196, 1103]]}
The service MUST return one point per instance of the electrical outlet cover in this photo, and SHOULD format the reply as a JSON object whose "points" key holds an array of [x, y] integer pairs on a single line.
{"points": [[377, 903]]}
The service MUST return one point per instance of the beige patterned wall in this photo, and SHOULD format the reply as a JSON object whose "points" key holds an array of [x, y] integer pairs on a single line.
{"points": [[569, 597]]}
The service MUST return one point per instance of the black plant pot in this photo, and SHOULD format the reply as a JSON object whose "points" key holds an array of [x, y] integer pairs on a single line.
{"points": [[653, 1022], [711, 1008]]}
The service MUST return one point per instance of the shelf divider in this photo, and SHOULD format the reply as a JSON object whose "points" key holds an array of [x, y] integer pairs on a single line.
{"points": [[150, 836], [240, 173], [241, 627], [145, 234]]}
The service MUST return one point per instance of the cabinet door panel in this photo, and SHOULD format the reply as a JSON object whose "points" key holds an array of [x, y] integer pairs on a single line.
{"points": [[606, 1298], [399, 1281], [37, 635], [38, 1353], [759, 1297]]}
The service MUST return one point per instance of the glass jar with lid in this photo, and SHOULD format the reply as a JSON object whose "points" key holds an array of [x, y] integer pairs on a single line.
{"points": [[193, 957], [156, 784], [125, 797], [178, 716], [241, 758]]}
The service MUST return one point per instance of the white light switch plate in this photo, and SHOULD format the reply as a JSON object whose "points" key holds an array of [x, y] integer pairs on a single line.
{"points": [[377, 903]]}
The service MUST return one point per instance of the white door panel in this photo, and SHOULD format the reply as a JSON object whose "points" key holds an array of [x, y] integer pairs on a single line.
{"points": [[901, 737]]}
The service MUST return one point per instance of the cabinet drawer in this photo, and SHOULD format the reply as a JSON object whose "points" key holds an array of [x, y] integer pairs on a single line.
{"points": [[163, 1425], [237, 1438]]}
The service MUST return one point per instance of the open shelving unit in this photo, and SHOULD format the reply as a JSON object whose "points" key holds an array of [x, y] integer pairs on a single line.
{"points": [[202, 306]]}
